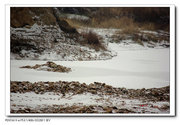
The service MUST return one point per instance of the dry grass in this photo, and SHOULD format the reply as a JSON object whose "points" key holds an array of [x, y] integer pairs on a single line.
{"points": [[91, 37], [76, 23], [130, 20], [22, 16], [147, 18], [148, 26], [140, 36], [126, 24], [129, 29], [92, 40]]}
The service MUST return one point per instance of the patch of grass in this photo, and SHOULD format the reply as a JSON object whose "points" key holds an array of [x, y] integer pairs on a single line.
{"points": [[148, 26], [140, 37], [78, 23], [130, 27], [146, 18]]}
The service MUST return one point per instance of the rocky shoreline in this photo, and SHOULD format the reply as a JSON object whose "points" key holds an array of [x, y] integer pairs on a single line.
{"points": [[107, 92], [63, 87]]}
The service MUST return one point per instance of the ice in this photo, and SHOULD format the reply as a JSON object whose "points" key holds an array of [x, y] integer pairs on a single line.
{"points": [[135, 66], [131, 68]]}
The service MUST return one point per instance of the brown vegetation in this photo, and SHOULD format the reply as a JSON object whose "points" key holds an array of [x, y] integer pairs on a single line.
{"points": [[149, 18], [140, 36], [22, 16], [93, 40]]}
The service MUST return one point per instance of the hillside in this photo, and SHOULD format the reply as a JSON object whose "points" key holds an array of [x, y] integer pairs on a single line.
{"points": [[41, 34]]}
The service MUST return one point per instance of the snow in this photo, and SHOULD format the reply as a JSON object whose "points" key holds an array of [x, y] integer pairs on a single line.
{"points": [[30, 99], [77, 17], [37, 101], [151, 32], [133, 67], [65, 49]]}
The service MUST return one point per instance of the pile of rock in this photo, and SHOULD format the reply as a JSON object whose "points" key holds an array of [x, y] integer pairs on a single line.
{"points": [[49, 66], [63, 87]]}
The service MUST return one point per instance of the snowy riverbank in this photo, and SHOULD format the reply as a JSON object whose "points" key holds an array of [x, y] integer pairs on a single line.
{"points": [[74, 97], [139, 69], [133, 67]]}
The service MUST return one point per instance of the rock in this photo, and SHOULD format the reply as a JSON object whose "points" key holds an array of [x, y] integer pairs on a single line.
{"points": [[36, 91], [97, 83], [165, 107], [124, 91], [25, 88], [143, 89], [108, 87], [92, 91], [36, 66], [109, 92], [28, 67], [80, 91], [114, 107], [92, 86], [51, 66], [158, 94], [27, 110], [124, 111], [42, 88], [155, 93], [107, 109]]}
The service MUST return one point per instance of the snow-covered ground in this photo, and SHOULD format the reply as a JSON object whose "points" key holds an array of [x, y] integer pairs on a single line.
{"points": [[51, 43], [134, 66], [39, 101]]}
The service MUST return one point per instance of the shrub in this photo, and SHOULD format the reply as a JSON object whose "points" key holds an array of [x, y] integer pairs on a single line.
{"points": [[91, 37], [93, 40]]}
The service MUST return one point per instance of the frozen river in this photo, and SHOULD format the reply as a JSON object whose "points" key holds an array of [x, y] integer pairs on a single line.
{"points": [[133, 67]]}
